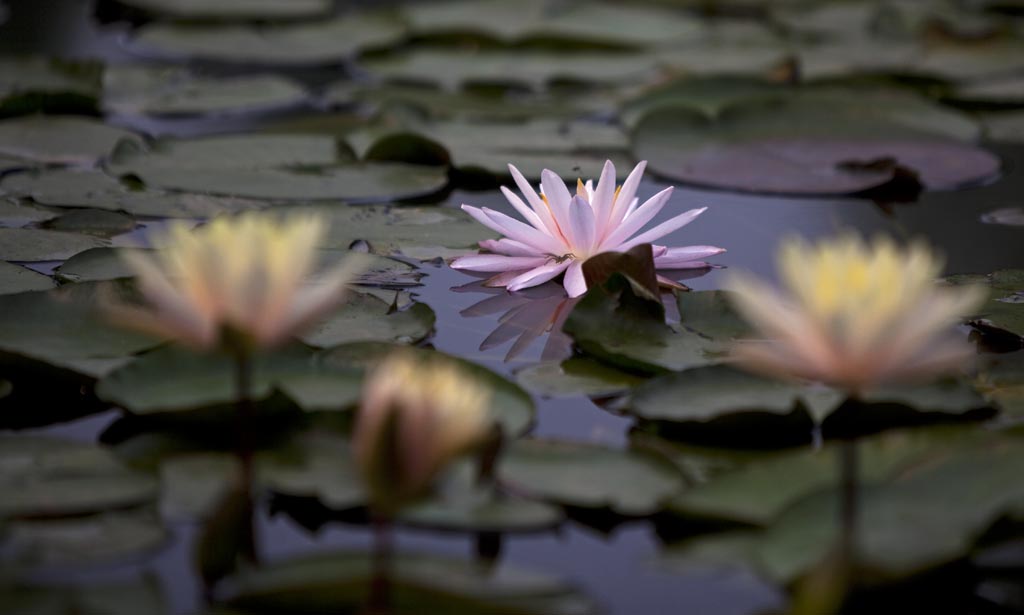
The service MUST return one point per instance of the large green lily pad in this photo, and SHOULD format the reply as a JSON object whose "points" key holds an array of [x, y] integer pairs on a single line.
{"points": [[1004, 309], [808, 145], [233, 10], [32, 84], [576, 376], [135, 90], [18, 279], [89, 540], [88, 188], [589, 476], [318, 465], [145, 387], [364, 317], [25, 244], [279, 167], [316, 42], [96, 222], [482, 510], [339, 582], [51, 477], [92, 599], [511, 406], [34, 140], [15, 213]]}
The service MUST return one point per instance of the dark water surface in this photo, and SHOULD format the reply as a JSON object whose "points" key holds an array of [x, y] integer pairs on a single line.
{"points": [[616, 569]]}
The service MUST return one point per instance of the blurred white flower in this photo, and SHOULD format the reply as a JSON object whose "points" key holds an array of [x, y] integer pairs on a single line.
{"points": [[854, 315], [244, 276], [563, 230]]}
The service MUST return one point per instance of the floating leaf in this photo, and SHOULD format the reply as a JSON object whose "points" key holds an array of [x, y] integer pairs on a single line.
{"points": [[50, 477], [279, 167], [233, 10], [143, 386], [1005, 126], [33, 140], [18, 279], [137, 90], [339, 582], [23, 244], [366, 318], [482, 510], [323, 468], [14, 213], [92, 599], [451, 69], [1001, 380], [576, 376], [589, 476], [88, 540], [511, 406], [192, 484], [799, 146], [42, 85], [1004, 310], [92, 222], [316, 42]]}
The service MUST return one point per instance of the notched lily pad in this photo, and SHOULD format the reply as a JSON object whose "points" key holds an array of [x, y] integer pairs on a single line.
{"points": [[35, 140], [18, 279], [482, 510], [25, 244], [364, 317], [589, 476], [576, 376]]}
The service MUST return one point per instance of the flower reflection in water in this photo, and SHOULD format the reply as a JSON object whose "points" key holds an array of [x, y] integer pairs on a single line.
{"points": [[528, 315]]}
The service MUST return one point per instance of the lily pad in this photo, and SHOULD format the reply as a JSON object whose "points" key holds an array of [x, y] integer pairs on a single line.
{"points": [[143, 386], [50, 477], [88, 540], [534, 69], [32, 84], [366, 318], [92, 599], [232, 10], [95, 222], [1004, 309], [316, 42], [322, 468], [192, 484], [271, 167], [34, 140], [482, 510], [339, 582], [63, 327], [18, 279], [576, 376], [88, 188], [1001, 380], [24, 244], [1005, 126], [135, 90], [799, 146], [15, 213], [511, 406], [589, 476]]}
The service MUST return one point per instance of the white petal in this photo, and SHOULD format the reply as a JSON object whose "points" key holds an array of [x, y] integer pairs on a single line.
{"points": [[625, 200], [558, 198], [575, 284], [497, 262], [538, 275], [538, 205], [663, 229], [634, 222]]}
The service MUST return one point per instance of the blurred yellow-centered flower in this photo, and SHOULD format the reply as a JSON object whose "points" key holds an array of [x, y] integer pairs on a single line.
{"points": [[243, 276], [854, 314], [417, 415]]}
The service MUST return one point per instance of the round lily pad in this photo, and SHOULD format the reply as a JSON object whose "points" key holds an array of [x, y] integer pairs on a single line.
{"points": [[318, 465], [95, 222], [316, 42], [32, 84], [18, 279], [89, 540], [339, 582], [511, 406], [482, 510], [364, 317], [232, 10], [51, 477], [795, 146], [589, 476], [576, 376], [134, 90], [25, 244], [58, 140]]}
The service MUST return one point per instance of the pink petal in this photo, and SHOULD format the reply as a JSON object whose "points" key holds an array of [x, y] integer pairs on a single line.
{"points": [[508, 247], [582, 225], [603, 195], [515, 229], [633, 223], [538, 205], [626, 195], [523, 210], [685, 257], [663, 229], [575, 284], [538, 275], [558, 198], [497, 262]]}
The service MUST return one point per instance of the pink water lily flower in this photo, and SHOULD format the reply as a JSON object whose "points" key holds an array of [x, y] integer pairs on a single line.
{"points": [[563, 230]]}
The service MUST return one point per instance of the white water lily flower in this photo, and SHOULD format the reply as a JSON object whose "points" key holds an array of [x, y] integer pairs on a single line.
{"points": [[246, 275], [416, 416], [563, 230], [854, 315]]}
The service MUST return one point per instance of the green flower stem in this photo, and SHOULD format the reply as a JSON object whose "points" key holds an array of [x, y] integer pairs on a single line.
{"points": [[245, 414], [379, 602]]}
